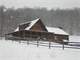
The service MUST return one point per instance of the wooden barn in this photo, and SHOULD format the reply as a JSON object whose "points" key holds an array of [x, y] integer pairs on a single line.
{"points": [[36, 30]]}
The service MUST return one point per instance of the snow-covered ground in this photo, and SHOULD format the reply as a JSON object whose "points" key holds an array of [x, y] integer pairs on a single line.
{"points": [[11, 50], [74, 38]]}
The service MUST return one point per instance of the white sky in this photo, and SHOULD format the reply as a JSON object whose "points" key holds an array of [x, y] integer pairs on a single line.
{"points": [[41, 3]]}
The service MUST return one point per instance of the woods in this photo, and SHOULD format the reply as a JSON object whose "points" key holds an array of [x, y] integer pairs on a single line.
{"points": [[68, 19]]}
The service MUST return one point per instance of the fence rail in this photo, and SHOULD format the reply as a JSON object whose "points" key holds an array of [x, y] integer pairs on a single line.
{"points": [[48, 43], [52, 44]]}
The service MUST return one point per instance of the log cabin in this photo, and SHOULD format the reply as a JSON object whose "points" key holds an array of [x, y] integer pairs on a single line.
{"points": [[36, 30]]}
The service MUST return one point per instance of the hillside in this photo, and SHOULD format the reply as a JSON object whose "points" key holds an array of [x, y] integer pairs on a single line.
{"points": [[68, 19]]}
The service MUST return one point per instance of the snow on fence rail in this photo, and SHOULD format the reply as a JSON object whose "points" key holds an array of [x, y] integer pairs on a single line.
{"points": [[72, 45]]}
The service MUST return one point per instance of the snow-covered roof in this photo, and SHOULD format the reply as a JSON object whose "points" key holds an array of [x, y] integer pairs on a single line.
{"points": [[56, 30], [30, 25], [17, 29]]}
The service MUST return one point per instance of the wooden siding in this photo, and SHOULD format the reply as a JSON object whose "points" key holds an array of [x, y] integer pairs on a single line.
{"points": [[39, 26], [44, 36], [61, 38]]}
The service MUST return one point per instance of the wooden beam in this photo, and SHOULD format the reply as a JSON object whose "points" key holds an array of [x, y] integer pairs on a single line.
{"points": [[49, 44]]}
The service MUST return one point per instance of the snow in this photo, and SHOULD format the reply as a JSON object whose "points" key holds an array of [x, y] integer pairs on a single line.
{"points": [[13, 50], [27, 28], [74, 38], [56, 30], [17, 29], [32, 23]]}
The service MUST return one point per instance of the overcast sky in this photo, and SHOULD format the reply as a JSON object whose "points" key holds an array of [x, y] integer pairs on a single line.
{"points": [[41, 3]]}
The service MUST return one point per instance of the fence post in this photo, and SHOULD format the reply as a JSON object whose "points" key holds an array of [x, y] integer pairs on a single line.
{"points": [[27, 41], [49, 44], [38, 42], [63, 45]]}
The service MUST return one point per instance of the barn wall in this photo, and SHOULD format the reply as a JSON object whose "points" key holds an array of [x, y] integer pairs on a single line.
{"points": [[39, 26], [60, 38], [42, 36]]}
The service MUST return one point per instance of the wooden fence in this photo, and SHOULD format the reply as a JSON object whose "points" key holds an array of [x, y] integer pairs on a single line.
{"points": [[49, 44]]}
